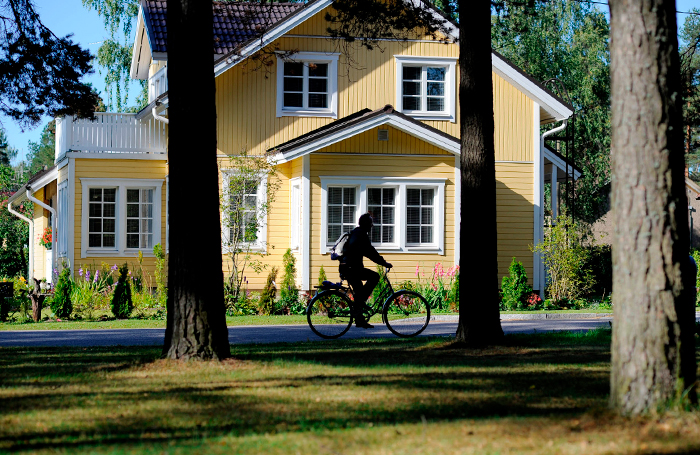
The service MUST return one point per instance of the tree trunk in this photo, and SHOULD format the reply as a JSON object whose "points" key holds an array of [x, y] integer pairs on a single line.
{"points": [[479, 318], [653, 346], [196, 324]]}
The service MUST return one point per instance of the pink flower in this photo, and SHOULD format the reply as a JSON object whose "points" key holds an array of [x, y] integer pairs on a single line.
{"points": [[417, 270]]}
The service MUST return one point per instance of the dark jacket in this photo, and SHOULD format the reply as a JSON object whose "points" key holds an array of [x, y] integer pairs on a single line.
{"points": [[359, 246]]}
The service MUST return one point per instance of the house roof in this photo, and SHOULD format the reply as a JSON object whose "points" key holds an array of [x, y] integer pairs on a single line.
{"points": [[562, 163], [360, 122], [36, 182], [234, 22]]}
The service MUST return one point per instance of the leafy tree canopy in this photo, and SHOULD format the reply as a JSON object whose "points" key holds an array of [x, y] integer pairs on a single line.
{"points": [[42, 153], [7, 152], [39, 72], [690, 74]]}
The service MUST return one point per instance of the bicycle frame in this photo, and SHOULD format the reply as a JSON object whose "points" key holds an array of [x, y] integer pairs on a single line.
{"points": [[384, 294]]}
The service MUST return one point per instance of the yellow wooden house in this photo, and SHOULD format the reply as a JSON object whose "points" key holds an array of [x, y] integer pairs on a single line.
{"points": [[376, 132]]}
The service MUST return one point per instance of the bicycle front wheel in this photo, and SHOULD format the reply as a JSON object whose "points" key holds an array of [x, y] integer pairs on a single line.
{"points": [[328, 314], [406, 313]]}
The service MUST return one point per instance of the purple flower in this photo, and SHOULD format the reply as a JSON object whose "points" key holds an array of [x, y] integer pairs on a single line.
{"points": [[87, 275], [97, 274], [80, 272], [114, 268]]}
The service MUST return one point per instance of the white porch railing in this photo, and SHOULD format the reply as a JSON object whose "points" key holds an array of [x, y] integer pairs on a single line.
{"points": [[110, 133], [158, 84]]}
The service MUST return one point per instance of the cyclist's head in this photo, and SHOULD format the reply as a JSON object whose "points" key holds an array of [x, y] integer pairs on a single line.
{"points": [[366, 222]]}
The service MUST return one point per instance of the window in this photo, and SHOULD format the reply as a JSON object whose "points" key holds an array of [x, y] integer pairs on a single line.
{"points": [[123, 216], [307, 85], [102, 221], [381, 203], [419, 215], [342, 211], [408, 213], [425, 87], [244, 218]]}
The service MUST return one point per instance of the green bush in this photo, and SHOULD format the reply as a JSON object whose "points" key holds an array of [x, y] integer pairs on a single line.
{"points": [[289, 293], [515, 288], [61, 304], [321, 276], [122, 305], [269, 294], [599, 263]]}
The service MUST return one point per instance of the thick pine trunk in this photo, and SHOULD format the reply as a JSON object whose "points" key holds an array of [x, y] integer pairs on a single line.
{"points": [[196, 325], [479, 317], [653, 346]]}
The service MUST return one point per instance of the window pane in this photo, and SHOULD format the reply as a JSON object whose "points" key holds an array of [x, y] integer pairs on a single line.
{"points": [[388, 196], [413, 195], [132, 195], [427, 196], [436, 104], [293, 68], [146, 226], [95, 210], [318, 69], [375, 235], [335, 195], [132, 210], [436, 74], [318, 85], [388, 234], [413, 234], [411, 72], [147, 210], [109, 225], [147, 241], [411, 88], [132, 240], [426, 233], [95, 225], [318, 100], [374, 196], [426, 215], [349, 196], [146, 195], [333, 232], [110, 194], [293, 99], [413, 215], [349, 214], [436, 88], [132, 226], [411, 103], [375, 211], [335, 214], [388, 215], [293, 84], [95, 194], [108, 240], [109, 210], [95, 241]]}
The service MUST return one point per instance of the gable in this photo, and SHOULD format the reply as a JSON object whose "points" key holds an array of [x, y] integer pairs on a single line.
{"points": [[398, 143]]}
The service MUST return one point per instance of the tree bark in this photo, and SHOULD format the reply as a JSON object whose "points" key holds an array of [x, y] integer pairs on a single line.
{"points": [[479, 318], [653, 347], [196, 321]]}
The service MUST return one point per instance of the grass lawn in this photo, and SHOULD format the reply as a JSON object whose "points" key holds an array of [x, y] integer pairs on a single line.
{"points": [[230, 321], [540, 394]]}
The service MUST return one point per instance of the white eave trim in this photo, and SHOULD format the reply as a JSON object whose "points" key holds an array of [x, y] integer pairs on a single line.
{"points": [[411, 128], [44, 180], [141, 56], [546, 101], [561, 164]]}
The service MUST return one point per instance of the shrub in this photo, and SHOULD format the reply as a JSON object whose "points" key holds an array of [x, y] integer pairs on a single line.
{"points": [[321, 276], [599, 262], [122, 305], [289, 293], [454, 293], [61, 304], [267, 299], [515, 288]]}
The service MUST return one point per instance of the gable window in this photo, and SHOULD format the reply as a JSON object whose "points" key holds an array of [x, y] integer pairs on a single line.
{"points": [[307, 85], [425, 87], [408, 213], [123, 216]]}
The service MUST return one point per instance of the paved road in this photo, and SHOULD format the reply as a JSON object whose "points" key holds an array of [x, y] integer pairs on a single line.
{"points": [[262, 334]]}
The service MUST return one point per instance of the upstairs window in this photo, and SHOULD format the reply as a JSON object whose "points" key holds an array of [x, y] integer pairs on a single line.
{"points": [[307, 85], [425, 87]]}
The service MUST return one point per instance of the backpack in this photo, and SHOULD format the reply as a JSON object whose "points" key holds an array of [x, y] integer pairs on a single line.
{"points": [[338, 249]]}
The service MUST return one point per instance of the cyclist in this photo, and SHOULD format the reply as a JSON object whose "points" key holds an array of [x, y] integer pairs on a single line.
{"points": [[353, 270]]}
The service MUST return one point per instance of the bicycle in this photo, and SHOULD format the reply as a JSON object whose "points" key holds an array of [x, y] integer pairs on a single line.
{"points": [[406, 313]]}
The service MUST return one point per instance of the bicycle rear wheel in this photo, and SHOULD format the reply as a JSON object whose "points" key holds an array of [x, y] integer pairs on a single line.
{"points": [[406, 313], [328, 314]]}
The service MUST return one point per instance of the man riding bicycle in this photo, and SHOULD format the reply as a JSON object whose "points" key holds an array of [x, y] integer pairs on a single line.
{"points": [[353, 270]]}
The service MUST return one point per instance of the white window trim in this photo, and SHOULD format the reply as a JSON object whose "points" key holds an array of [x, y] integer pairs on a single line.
{"points": [[62, 224], [401, 183], [309, 57], [122, 185], [450, 63], [260, 245], [295, 214]]}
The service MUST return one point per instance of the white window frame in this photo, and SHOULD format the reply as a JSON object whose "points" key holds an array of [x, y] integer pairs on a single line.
{"points": [[309, 57], [450, 65], [397, 190], [62, 225], [139, 218], [295, 214], [121, 185], [361, 184], [260, 244]]}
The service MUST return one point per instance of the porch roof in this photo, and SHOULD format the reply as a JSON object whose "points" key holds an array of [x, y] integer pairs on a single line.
{"points": [[360, 122], [36, 182]]}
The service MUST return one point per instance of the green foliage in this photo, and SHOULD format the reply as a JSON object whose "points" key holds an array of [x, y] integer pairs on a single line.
{"points": [[42, 153], [122, 305], [565, 259], [515, 288], [269, 294], [61, 304], [161, 277], [381, 285], [289, 293], [7, 152], [14, 235], [689, 34], [696, 255], [568, 40], [321, 276], [599, 263], [439, 290]]}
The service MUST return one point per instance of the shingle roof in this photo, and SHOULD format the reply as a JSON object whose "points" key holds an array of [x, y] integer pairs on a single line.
{"points": [[234, 22], [346, 122]]}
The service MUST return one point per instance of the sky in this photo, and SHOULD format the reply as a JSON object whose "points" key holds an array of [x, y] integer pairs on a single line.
{"points": [[65, 17]]}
